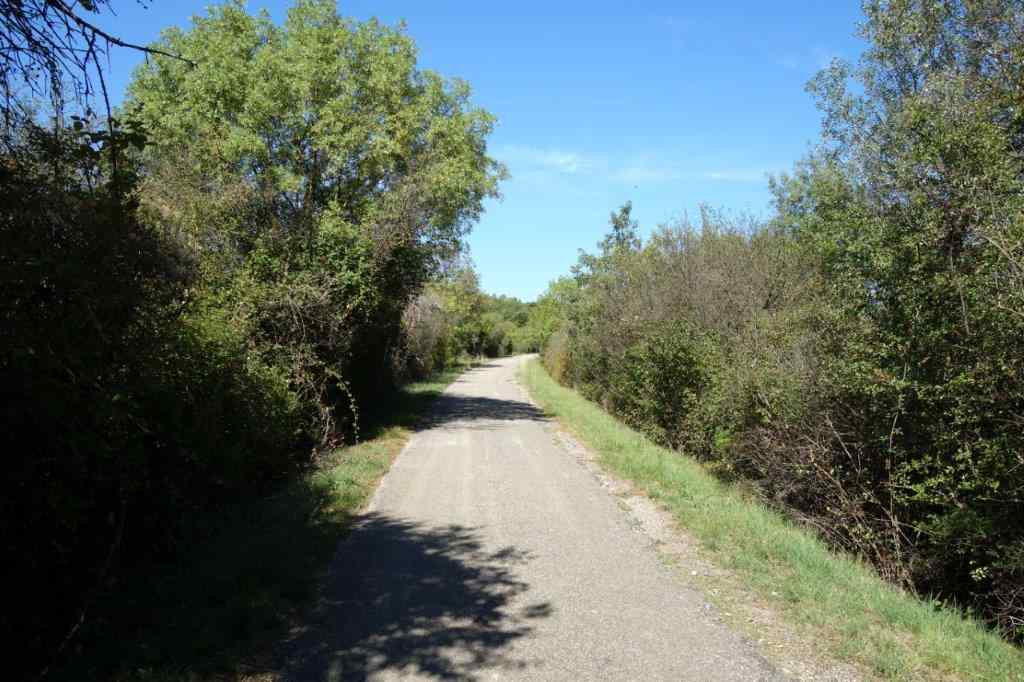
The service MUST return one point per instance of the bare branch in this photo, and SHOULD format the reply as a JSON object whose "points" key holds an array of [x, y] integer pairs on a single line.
{"points": [[47, 46]]}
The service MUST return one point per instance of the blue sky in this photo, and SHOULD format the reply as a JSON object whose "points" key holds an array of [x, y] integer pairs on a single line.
{"points": [[666, 104]]}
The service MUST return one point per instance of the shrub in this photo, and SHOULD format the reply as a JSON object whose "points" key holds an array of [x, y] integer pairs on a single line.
{"points": [[659, 381]]}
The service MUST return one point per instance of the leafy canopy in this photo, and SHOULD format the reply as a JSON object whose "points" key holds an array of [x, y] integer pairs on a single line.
{"points": [[319, 114]]}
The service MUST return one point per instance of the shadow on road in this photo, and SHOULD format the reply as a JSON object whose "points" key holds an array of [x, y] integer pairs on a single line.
{"points": [[474, 412], [404, 597]]}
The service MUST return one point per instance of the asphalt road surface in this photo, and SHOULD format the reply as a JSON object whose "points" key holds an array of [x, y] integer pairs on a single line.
{"points": [[489, 552]]}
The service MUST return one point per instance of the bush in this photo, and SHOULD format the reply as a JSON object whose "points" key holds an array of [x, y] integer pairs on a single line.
{"points": [[130, 408], [659, 381], [867, 412]]}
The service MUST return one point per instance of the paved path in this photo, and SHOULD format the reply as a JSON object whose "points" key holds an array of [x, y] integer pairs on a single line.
{"points": [[491, 553]]}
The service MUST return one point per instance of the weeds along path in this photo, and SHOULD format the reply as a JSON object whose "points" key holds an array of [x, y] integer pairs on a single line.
{"points": [[489, 552]]}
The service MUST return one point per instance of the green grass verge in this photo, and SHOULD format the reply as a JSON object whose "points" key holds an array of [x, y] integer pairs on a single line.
{"points": [[218, 612], [854, 613]]}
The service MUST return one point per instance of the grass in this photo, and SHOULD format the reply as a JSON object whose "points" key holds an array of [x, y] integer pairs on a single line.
{"points": [[855, 615], [218, 613]]}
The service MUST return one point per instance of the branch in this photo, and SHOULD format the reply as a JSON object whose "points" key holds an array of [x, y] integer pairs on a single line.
{"points": [[84, 25]]}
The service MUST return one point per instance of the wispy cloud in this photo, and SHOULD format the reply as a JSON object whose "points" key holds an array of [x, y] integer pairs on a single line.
{"points": [[540, 166], [559, 161], [527, 161], [642, 173]]}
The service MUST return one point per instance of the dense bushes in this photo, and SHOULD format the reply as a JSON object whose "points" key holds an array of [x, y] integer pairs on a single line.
{"points": [[123, 413], [192, 313], [656, 383], [788, 390], [860, 355]]}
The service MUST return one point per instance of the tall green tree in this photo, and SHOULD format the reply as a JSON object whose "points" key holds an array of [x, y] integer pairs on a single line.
{"points": [[342, 176], [321, 115]]}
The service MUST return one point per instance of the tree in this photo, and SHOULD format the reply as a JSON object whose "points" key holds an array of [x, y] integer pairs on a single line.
{"points": [[915, 207], [323, 114], [346, 175]]}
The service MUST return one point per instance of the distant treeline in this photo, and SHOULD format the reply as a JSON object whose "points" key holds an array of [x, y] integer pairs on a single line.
{"points": [[452, 318], [209, 286], [858, 359]]}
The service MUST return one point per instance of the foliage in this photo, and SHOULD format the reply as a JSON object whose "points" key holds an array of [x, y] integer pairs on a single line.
{"points": [[209, 294], [859, 356], [345, 177], [836, 602], [220, 614], [453, 318], [657, 382], [123, 415], [930, 154]]}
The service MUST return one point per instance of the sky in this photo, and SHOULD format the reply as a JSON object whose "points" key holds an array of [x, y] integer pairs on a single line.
{"points": [[669, 105]]}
